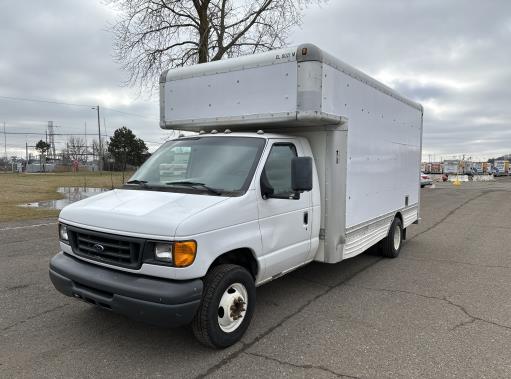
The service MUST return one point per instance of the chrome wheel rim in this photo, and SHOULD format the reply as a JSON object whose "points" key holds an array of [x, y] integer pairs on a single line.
{"points": [[232, 307], [397, 237]]}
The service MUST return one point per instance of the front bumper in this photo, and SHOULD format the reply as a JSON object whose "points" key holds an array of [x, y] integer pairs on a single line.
{"points": [[153, 300]]}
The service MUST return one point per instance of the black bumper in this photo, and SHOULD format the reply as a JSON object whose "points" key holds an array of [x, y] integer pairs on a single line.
{"points": [[153, 300]]}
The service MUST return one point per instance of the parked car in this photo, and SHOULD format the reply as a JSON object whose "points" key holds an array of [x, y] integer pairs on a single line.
{"points": [[425, 180]]}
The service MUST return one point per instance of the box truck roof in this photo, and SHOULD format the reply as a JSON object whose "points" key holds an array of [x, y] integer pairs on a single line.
{"points": [[284, 86]]}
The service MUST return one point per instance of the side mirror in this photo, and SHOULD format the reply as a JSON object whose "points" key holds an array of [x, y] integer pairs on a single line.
{"points": [[301, 174]]}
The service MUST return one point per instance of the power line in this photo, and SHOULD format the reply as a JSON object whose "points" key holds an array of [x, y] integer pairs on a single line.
{"points": [[56, 134], [42, 101], [131, 114], [73, 134], [12, 98]]}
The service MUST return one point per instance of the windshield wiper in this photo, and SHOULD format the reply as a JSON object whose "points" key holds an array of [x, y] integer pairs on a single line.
{"points": [[195, 184], [136, 181]]}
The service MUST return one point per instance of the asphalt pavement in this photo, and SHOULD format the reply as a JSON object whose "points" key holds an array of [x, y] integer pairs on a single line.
{"points": [[441, 309]]}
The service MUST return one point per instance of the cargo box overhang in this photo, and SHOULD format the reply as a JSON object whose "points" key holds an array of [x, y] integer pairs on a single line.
{"points": [[279, 88]]}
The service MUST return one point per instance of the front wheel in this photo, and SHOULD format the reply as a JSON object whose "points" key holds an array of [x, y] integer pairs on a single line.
{"points": [[226, 308], [391, 245]]}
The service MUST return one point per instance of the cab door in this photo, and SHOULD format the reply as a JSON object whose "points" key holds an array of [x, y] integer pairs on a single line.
{"points": [[284, 216]]}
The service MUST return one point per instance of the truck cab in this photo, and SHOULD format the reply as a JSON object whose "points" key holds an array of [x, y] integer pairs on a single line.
{"points": [[237, 202]]}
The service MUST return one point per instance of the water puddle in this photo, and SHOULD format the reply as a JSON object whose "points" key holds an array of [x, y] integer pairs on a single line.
{"points": [[71, 194]]}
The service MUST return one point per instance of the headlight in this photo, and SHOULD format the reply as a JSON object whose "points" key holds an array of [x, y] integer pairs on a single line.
{"points": [[163, 252], [63, 233], [179, 254]]}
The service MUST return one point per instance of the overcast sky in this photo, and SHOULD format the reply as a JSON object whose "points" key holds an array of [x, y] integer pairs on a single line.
{"points": [[453, 56]]}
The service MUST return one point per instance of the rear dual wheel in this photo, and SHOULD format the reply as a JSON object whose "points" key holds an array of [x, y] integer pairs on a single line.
{"points": [[227, 306]]}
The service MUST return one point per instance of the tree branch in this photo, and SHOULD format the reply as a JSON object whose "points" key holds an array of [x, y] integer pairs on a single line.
{"points": [[151, 35]]}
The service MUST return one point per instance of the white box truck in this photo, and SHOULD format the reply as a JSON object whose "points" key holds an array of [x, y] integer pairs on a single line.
{"points": [[298, 157], [501, 168], [452, 167]]}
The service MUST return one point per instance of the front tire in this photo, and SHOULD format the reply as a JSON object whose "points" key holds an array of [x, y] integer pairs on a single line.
{"points": [[391, 245], [226, 308]]}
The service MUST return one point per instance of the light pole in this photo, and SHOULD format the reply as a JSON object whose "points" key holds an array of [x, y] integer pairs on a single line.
{"points": [[100, 153], [5, 144]]}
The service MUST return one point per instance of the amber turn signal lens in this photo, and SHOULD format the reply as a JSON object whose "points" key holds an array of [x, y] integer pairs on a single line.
{"points": [[184, 253]]}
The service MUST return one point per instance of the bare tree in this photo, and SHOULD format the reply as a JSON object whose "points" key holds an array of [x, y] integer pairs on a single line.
{"points": [[76, 148], [95, 149], [153, 35]]}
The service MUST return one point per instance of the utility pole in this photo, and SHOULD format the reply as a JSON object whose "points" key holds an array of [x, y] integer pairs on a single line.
{"points": [[86, 147], [104, 127], [100, 154], [26, 150], [5, 144]]}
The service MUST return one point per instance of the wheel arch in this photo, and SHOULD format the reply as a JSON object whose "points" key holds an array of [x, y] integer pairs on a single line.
{"points": [[399, 215], [244, 257]]}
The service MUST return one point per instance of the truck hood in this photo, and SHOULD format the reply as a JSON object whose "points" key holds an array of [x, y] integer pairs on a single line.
{"points": [[138, 212]]}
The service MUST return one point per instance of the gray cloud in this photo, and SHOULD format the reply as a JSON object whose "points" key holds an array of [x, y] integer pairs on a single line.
{"points": [[452, 56], [61, 50], [422, 92]]}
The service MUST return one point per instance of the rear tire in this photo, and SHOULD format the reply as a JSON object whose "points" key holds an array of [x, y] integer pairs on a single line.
{"points": [[226, 308], [391, 245]]}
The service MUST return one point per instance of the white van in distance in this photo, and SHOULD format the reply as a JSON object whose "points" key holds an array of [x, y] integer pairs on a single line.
{"points": [[298, 157]]}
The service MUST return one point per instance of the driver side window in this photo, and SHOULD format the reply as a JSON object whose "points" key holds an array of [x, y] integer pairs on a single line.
{"points": [[277, 170]]}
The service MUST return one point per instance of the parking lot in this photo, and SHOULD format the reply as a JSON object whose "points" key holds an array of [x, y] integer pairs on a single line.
{"points": [[442, 309]]}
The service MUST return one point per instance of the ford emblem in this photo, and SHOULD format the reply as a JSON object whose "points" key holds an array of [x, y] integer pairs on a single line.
{"points": [[99, 248]]}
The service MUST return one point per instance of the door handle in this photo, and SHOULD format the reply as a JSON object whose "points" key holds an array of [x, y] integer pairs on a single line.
{"points": [[306, 218]]}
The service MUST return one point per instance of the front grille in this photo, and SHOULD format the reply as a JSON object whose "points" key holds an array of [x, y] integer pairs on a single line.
{"points": [[107, 248]]}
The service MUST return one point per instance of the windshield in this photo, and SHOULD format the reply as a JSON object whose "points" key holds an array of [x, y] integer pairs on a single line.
{"points": [[210, 165]]}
